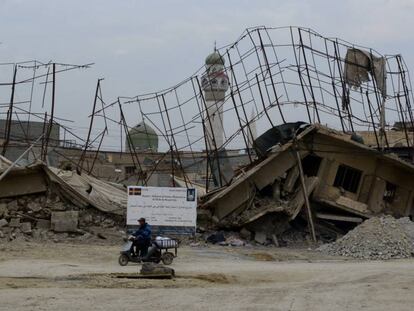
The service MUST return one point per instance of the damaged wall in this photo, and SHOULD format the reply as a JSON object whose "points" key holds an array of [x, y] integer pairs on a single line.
{"points": [[377, 173]]}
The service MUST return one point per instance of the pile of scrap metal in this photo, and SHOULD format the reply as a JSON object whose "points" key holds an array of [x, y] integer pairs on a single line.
{"points": [[49, 198], [330, 178]]}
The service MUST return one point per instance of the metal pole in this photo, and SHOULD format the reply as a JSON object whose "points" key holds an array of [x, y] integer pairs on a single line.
{"points": [[82, 158], [52, 112], [305, 195], [382, 124]]}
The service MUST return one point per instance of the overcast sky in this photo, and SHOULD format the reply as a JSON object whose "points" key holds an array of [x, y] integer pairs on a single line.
{"points": [[142, 46]]}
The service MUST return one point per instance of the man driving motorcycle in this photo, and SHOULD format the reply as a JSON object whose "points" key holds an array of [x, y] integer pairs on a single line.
{"points": [[142, 237]]}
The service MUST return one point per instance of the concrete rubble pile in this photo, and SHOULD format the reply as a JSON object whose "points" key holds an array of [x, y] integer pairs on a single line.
{"points": [[379, 238], [43, 203]]}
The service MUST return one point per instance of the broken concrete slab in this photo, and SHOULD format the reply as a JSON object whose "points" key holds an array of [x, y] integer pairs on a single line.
{"points": [[233, 200], [34, 206], [26, 227], [256, 214], [23, 181], [352, 204], [14, 223], [3, 223], [43, 224], [338, 217], [260, 237], [57, 206], [64, 221], [291, 178], [348, 205], [13, 206], [298, 201]]}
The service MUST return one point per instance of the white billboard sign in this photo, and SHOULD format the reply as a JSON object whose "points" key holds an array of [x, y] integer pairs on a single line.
{"points": [[162, 206]]}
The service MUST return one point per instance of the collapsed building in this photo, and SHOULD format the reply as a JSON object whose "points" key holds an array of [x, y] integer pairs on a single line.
{"points": [[345, 180]]}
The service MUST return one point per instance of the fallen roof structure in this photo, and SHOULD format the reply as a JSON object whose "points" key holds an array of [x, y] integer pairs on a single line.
{"points": [[87, 190], [81, 190]]}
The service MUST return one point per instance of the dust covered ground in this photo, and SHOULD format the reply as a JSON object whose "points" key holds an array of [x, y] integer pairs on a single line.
{"points": [[59, 276]]}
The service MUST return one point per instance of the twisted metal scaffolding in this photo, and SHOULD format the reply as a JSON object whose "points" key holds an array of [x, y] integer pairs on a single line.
{"points": [[282, 75]]}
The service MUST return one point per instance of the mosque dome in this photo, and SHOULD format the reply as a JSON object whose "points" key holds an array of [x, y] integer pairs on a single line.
{"points": [[143, 137], [215, 59]]}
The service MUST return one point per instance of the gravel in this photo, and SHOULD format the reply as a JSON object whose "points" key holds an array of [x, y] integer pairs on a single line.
{"points": [[378, 238]]}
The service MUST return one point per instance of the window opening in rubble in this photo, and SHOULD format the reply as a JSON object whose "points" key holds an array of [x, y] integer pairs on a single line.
{"points": [[347, 178], [389, 193], [311, 164]]}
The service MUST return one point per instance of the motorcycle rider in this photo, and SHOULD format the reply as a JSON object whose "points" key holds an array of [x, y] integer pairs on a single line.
{"points": [[142, 238]]}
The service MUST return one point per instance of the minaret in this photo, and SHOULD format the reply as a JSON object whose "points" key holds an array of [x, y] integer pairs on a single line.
{"points": [[215, 83]]}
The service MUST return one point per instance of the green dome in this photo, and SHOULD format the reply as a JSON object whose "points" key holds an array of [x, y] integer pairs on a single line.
{"points": [[215, 59], [143, 137]]}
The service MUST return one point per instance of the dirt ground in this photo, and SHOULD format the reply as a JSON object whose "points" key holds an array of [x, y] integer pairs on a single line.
{"points": [[56, 276]]}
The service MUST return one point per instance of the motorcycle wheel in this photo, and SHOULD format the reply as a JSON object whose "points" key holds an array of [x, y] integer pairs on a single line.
{"points": [[167, 258], [123, 260]]}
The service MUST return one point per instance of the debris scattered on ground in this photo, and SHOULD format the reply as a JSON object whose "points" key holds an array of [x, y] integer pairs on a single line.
{"points": [[42, 217], [376, 238]]}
